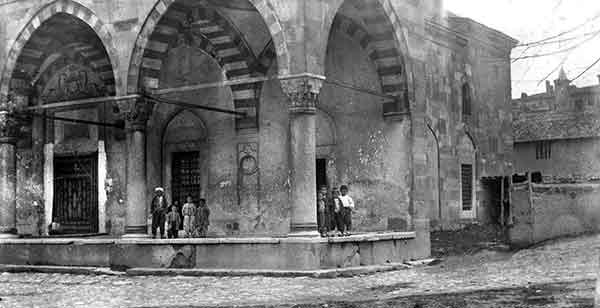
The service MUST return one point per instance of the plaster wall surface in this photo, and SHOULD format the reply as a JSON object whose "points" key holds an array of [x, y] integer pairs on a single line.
{"points": [[553, 210], [575, 159]]}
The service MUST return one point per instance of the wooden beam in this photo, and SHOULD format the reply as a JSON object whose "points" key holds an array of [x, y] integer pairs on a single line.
{"points": [[218, 84], [194, 106], [82, 103], [63, 119]]}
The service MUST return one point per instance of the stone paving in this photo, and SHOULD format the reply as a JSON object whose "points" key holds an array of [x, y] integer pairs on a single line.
{"points": [[572, 262]]}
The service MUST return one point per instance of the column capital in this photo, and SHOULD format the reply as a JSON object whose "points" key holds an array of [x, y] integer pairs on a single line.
{"points": [[136, 112], [303, 92]]}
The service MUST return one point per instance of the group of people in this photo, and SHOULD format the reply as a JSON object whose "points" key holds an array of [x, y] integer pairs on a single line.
{"points": [[334, 212], [193, 218]]}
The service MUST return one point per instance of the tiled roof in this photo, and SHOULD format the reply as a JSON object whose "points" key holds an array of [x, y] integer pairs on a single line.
{"points": [[547, 126]]}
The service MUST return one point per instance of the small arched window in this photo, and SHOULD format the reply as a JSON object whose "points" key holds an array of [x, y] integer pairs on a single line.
{"points": [[466, 100]]}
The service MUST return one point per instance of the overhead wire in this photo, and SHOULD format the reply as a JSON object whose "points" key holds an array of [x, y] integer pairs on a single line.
{"points": [[561, 33], [587, 69]]}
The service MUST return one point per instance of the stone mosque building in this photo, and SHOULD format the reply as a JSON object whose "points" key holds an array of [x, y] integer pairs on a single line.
{"points": [[252, 105]]}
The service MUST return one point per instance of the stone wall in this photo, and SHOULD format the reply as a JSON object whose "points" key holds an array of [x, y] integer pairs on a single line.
{"points": [[549, 211]]}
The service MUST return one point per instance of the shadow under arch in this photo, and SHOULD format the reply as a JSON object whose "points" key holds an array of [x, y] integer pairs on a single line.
{"points": [[74, 10], [388, 49]]}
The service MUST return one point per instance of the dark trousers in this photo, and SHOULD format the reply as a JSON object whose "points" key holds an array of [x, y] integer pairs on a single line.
{"points": [[338, 221], [322, 221], [347, 218], [173, 231], [158, 222]]}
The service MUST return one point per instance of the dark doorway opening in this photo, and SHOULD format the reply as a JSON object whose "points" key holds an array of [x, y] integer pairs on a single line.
{"points": [[321, 173], [75, 204], [496, 199]]}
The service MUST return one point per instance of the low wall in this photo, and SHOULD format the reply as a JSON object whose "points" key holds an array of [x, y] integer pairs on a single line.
{"points": [[545, 211], [223, 253]]}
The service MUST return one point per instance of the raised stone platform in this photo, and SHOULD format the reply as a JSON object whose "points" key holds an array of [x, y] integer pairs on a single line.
{"points": [[218, 253]]}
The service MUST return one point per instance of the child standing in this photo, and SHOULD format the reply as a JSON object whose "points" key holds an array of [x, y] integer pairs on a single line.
{"points": [[321, 214], [189, 215], [337, 220], [202, 218], [347, 209], [173, 222]]}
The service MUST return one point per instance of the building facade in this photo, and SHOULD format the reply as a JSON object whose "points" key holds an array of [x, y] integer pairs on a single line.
{"points": [[556, 132], [250, 104], [556, 144]]}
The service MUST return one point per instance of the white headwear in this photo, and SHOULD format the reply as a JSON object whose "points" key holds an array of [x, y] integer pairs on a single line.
{"points": [[157, 189]]}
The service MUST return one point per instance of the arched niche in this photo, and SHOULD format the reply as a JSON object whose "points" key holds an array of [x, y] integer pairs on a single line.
{"points": [[185, 142]]}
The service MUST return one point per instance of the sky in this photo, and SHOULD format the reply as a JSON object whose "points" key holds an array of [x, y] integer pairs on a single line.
{"points": [[571, 27]]}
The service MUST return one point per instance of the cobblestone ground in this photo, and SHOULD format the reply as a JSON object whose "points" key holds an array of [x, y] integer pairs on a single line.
{"points": [[559, 274]]}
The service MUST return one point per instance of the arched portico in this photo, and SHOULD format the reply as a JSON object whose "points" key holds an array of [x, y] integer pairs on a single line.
{"points": [[65, 52], [36, 52]]}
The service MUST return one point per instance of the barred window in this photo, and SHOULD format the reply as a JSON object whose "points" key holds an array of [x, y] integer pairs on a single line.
{"points": [[466, 174], [543, 150]]}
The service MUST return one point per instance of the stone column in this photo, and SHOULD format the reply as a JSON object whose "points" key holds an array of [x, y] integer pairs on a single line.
{"points": [[8, 169], [303, 95], [137, 112]]}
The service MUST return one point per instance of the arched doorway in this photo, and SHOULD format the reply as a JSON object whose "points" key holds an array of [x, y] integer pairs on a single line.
{"points": [[184, 157], [62, 58], [325, 142]]}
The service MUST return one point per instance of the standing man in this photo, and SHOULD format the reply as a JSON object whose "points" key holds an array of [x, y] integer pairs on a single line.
{"points": [[159, 207], [347, 209]]}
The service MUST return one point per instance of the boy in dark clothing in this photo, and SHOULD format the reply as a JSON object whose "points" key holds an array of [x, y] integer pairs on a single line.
{"points": [[159, 207], [321, 214], [173, 222], [202, 218], [337, 221]]}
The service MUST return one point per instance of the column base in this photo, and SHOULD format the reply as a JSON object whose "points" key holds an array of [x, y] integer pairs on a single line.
{"points": [[136, 232], [9, 234], [314, 233], [304, 230], [135, 236]]}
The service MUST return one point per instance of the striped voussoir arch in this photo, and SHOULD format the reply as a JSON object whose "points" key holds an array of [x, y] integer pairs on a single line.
{"points": [[376, 33], [215, 35], [31, 47]]}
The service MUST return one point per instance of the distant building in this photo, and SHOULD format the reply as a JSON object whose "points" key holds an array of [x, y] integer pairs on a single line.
{"points": [[557, 142], [557, 132]]}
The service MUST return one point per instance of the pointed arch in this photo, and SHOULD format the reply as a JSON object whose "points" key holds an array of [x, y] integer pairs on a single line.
{"points": [[214, 34], [28, 51], [375, 25]]}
